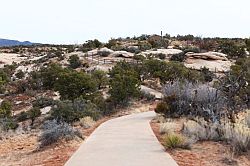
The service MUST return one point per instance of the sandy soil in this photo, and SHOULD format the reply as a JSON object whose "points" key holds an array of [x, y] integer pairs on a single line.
{"points": [[206, 153], [7, 59]]}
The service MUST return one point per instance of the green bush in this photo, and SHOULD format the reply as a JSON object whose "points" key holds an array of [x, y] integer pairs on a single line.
{"points": [[100, 78], [232, 49], [124, 83], [73, 84], [20, 74], [42, 102], [69, 112], [161, 56], [33, 114], [5, 109], [178, 57], [74, 61], [7, 124]]}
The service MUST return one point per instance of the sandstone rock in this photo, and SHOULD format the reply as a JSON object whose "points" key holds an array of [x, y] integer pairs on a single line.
{"points": [[214, 61], [124, 54], [167, 52], [214, 65], [92, 52], [207, 56]]}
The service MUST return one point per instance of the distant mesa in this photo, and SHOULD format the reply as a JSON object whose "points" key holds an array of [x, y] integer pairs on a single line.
{"points": [[8, 43]]}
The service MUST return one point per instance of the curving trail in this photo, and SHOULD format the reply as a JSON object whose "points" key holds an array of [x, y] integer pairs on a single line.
{"points": [[124, 141]]}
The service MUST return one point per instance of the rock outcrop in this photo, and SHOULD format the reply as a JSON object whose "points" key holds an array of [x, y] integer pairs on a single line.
{"points": [[124, 54], [214, 61], [167, 52], [207, 56]]}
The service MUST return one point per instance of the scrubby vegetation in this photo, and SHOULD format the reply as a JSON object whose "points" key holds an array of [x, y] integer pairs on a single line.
{"points": [[213, 110], [58, 89]]}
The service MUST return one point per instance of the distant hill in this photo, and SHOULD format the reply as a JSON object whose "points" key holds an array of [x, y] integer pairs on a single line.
{"points": [[7, 43]]}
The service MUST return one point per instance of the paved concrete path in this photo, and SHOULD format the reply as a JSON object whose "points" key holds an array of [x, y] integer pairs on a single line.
{"points": [[124, 141]]}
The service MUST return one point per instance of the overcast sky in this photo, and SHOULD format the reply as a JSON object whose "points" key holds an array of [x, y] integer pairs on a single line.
{"points": [[75, 21]]}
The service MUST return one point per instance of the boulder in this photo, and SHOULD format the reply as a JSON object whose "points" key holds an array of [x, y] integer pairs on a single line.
{"points": [[207, 56], [212, 65], [214, 61], [167, 52], [92, 52], [124, 54]]}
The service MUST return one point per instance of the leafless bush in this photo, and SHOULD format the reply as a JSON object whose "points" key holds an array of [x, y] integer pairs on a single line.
{"points": [[52, 132], [194, 99]]}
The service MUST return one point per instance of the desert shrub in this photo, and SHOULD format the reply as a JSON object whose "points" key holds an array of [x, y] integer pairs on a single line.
{"points": [[161, 56], [248, 44], [173, 141], [42, 102], [191, 99], [47, 76], [7, 124], [162, 108], [124, 83], [33, 114], [132, 49], [20, 74], [92, 44], [238, 135], [22, 116], [178, 57], [232, 49], [143, 46], [247, 118], [52, 132], [139, 58], [100, 77], [208, 75], [87, 122], [201, 130], [74, 61], [191, 49], [5, 109], [168, 71], [167, 128], [147, 96], [69, 112], [73, 84]]}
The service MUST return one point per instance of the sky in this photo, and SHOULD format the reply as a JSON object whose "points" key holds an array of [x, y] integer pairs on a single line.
{"points": [[76, 21]]}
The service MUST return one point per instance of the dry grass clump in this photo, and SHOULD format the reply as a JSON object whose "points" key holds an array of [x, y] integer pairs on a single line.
{"points": [[201, 130], [87, 122], [167, 128], [174, 140], [247, 118], [236, 134]]}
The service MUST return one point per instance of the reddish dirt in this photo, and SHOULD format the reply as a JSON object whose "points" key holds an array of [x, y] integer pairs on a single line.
{"points": [[205, 153]]}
